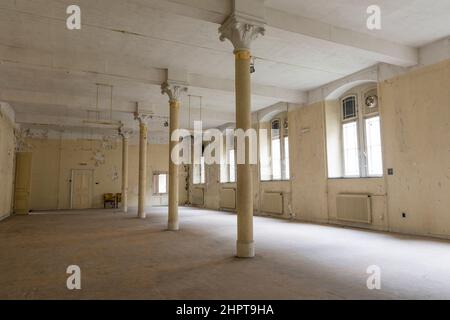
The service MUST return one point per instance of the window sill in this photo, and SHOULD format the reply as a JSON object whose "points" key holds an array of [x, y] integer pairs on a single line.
{"points": [[356, 178], [283, 180]]}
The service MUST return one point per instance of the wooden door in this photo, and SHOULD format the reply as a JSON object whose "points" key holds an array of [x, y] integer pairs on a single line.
{"points": [[82, 189]]}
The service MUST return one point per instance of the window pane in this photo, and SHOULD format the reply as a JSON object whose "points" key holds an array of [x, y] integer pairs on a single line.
{"points": [[351, 152], [223, 172], [275, 124], [232, 166], [349, 108], [276, 129], [224, 167], [202, 170], [162, 183], [276, 159], [196, 174], [264, 156], [286, 160], [374, 156]]}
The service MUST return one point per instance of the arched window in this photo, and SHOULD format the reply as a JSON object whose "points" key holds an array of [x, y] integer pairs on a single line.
{"points": [[361, 135], [274, 154]]}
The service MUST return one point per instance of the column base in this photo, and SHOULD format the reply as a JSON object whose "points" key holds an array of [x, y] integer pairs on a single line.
{"points": [[142, 215], [245, 249], [173, 226]]}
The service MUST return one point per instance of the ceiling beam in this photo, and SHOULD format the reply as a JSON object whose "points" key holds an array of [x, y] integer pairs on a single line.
{"points": [[290, 27], [118, 73], [280, 24]]}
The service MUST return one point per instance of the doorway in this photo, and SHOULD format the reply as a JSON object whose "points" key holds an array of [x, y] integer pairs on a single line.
{"points": [[81, 189], [22, 183]]}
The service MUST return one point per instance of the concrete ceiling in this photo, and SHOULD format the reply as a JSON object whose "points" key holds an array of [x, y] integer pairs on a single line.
{"points": [[49, 74], [409, 22]]}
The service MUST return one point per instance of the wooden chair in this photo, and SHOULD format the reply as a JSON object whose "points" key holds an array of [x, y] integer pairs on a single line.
{"points": [[109, 198]]}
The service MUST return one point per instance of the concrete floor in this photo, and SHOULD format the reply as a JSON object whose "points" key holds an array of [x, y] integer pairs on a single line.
{"points": [[122, 257]]}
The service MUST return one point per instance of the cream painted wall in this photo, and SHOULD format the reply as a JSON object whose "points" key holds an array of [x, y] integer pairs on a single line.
{"points": [[7, 151], [415, 115], [308, 163], [416, 135], [373, 186], [333, 132], [53, 161]]}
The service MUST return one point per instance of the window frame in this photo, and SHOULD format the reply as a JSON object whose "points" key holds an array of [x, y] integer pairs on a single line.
{"points": [[351, 95], [157, 174], [282, 118], [360, 120], [280, 134], [367, 175]]}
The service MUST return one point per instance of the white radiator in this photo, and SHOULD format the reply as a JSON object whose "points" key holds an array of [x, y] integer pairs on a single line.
{"points": [[228, 198], [198, 197], [354, 207], [272, 202]]}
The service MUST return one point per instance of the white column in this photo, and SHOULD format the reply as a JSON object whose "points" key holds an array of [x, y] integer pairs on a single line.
{"points": [[241, 32], [125, 138], [143, 132], [174, 92]]}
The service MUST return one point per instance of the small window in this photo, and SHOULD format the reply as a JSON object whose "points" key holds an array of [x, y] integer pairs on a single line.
{"points": [[349, 110], [275, 129], [160, 183]]}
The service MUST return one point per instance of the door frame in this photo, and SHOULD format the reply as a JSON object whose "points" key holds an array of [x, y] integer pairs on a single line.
{"points": [[71, 184]]}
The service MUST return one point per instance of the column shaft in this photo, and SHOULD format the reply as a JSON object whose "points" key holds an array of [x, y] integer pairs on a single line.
{"points": [[245, 245], [173, 169], [125, 174], [142, 168]]}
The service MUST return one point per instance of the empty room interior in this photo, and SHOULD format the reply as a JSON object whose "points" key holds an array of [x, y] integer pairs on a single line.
{"points": [[225, 149]]}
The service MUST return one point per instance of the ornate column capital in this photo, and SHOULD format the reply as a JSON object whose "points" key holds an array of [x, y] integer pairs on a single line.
{"points": [[125, 133], [173, 90], [241, 31], [142, 118]]}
